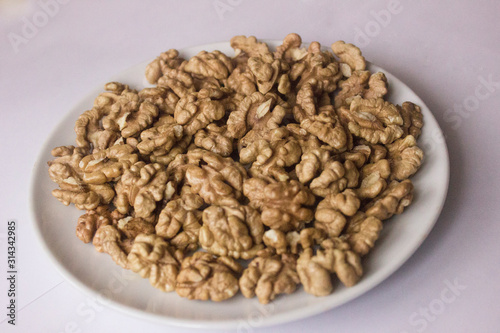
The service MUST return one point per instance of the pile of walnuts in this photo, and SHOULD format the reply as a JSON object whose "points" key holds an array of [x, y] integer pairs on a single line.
{"points": [[290, 159]]}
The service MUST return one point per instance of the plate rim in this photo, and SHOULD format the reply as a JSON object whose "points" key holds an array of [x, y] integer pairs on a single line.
{"points": [[275, 319]]}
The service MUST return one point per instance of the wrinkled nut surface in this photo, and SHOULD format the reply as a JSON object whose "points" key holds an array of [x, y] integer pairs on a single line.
{"points": [[232, 231], [152, 257], [290, 158], [269, 277], [204, 276]]}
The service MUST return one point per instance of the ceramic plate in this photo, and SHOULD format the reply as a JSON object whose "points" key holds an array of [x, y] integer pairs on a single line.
{"points": [[98, 275]]}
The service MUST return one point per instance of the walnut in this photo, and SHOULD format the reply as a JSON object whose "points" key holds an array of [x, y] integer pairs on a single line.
{"points": [[166, 61], [291, 157], [353, 86], [317, 67], [359, 155], [315, 270], [249, 46], [243, 82], [204, 276], [374, 120], [281, 203], [132, 226], [107, 165], [182, 213], [141, 187], [235, 232], [210, 64], [291, 242], [412, 119], [393, 200], [405, 157], [89, 132], [195, 112], [361, 232], [290, 49], [282, 242], [180, 147], [269, 277], [92, 220], [350, 55], [334, 178], [152, 257], [108, 239], [327, 128], [215, 139], [163, 98], [66, 172], [219, 181], [371, 186], [265, 69], [257, 113], [129, 114], [271, 158], [160, 138]]}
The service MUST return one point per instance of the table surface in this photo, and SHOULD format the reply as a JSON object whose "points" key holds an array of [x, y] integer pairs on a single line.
{"points": [[446, 51]]}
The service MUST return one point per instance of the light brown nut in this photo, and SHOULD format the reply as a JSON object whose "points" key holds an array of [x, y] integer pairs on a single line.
{"points": [[290, 49], [249, 45], [361, 232], [371, 186], [66, 172], [194, 112], [204, 276], [334, 178], [265, 69], [160, 138], [153, 258], [128, 114], [353, 86], [219, 181], [283, 204], [234, 232], [377, 86], [412, 119], [180, 147], [132, 226], [382, 167], [141, 187], [89, 132], [312, 162], [180, 221], [243, 82], [269, 159], [210, 64], [327, 127], [166, 61], [374, 120], [350, 55], [358, 155], [405, 157], [108, 239], [257, 112], [163, 98], [393, 200], [315, 271], [317, 67], [281, 242], [269, 277], [107, 165], [215, 139], [92, 220]]}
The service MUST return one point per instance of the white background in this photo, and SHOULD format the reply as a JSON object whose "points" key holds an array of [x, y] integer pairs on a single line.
{"points": [[443, 50]]}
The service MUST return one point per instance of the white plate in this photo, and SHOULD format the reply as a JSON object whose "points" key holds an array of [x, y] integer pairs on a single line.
{"points": [[96, 273]]}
